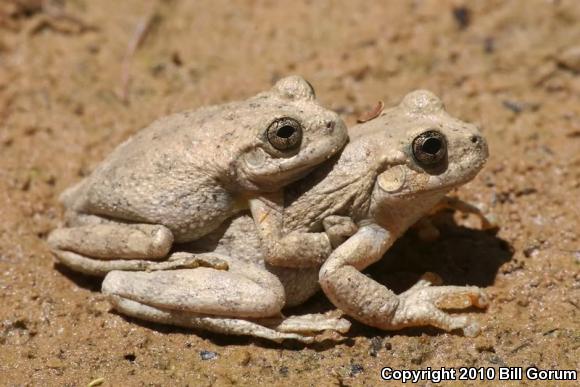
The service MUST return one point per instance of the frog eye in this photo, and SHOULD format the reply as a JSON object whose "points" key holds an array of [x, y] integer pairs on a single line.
{"points": [[285, 133], [429, 148]]}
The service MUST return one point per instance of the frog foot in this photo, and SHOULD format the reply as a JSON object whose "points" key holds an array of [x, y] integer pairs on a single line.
{"points": [[422, 304], [308, 324], [184, 260]]}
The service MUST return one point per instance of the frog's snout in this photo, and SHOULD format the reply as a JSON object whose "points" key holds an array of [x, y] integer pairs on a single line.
{"points": [[480, 144], [329, 127], [476, 139], [335, 130]]}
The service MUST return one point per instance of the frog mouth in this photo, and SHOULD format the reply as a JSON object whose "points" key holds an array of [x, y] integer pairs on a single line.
{"points": [[466, 177], [270, 173], [434, 184]]}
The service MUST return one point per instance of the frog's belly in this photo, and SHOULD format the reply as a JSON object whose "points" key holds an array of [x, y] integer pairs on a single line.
{"points": [[299, 284]]}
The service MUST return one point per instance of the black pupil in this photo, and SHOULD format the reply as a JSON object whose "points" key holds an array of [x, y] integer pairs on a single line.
{"points": [[285, 131], [431, 146]]}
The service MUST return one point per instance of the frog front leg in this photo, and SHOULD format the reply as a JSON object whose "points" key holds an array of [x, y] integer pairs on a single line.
{"points": [[300, 328], [295, 249], [373, 304]]}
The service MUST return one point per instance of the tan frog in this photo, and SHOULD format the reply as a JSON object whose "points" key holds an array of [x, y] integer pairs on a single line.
{"points": [[181, 177], [396, 168]]}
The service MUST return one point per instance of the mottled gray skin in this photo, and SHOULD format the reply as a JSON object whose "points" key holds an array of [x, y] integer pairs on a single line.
{"points": [[184, 175], [367, 197]]}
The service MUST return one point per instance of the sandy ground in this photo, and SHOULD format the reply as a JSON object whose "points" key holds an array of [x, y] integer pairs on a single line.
{"points": [[508, 66]]}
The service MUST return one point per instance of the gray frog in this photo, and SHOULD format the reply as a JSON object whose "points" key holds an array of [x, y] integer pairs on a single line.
{"points": [[395, 169], [184, 175]]}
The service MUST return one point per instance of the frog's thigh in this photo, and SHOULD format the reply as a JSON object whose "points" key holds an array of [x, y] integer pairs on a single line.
{"points": [[110, 241], [225, 325], [244, 290]]}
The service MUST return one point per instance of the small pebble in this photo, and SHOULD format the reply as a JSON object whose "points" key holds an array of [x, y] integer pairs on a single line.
{"points": [[462, 16], [514, 106], [96, 382], [531, 251], [207, 355], [570, 58], [356, 369], [376, 345], [484, 345], [130, 357], [489, 45]]}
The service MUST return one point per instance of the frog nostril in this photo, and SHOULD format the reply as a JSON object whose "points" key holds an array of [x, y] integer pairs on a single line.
{"points": [[330, 126]]}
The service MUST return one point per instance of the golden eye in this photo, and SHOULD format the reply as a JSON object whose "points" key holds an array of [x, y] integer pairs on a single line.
{"points": [[285, 134], [429, 148]]}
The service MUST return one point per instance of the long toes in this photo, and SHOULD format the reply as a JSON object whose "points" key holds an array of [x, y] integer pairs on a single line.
{"points": [[98, 267], [432, 278], [480, 300], [426, 280], [457, 297], [210, 323], [197, 321], [313, 323], [447, 322], [469, 327], [292, 336], [183, 260]]}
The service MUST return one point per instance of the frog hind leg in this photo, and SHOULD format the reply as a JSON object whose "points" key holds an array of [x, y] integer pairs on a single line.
{"points": [[244, 300], [300, 328], [101, 268], [101, 247], [224, 325]]}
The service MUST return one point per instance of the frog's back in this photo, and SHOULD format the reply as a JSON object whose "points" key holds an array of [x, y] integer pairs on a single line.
{"points": [[149, 178]]}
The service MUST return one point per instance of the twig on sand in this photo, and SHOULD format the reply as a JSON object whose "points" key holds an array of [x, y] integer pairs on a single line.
{"points": [[96, 382], [141, 30], [61, 22], [372, 114]]}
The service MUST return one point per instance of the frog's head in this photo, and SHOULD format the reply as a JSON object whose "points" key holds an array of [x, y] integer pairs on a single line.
{"points": [[424, 152], [290, 135]]}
